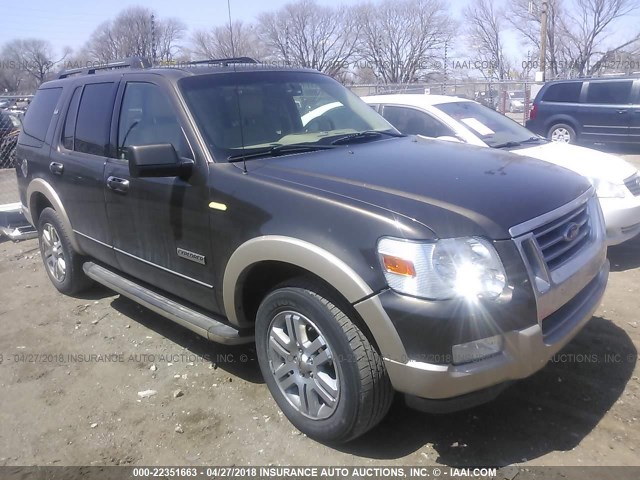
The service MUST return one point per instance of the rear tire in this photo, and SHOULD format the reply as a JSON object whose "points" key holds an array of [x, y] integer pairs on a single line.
{"points": [[62, 263], [321, 369], [562, 133]]}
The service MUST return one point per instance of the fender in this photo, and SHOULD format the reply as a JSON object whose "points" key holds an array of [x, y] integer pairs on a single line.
{"points": [[38, 185], [323, 264]]}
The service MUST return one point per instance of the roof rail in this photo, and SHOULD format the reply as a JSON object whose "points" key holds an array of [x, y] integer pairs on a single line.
{"points": [[132, 62], [222, 61]]}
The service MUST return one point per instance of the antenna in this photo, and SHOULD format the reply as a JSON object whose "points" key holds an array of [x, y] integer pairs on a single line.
{"points": [[233, 52], [233, 47]]}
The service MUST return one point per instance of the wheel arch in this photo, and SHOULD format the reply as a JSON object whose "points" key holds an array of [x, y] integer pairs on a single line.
{"points": [[282, 257], [40, 195]]}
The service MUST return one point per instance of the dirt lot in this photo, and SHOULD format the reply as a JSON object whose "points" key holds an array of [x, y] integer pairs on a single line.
{"points": [[60, 406]]}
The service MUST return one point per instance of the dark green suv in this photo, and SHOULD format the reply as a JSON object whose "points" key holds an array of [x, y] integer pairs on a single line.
{"points": [[250, 203]]}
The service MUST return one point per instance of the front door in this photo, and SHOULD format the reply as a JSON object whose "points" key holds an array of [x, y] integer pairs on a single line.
{"points": [[160, 226]]}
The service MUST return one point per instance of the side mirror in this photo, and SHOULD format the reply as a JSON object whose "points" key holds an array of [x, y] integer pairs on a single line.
{"points": [[157, 161]]}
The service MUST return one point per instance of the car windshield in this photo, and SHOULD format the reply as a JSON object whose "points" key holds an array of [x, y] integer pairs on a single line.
{"points": [[254, 112], [493, 128]]}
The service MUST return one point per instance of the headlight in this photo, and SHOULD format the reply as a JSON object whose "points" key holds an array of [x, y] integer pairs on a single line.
{"points": [[453, 267], [606, 189]]}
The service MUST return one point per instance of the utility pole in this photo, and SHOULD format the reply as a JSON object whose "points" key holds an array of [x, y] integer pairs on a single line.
{"points": [[153, 38], [543, 42]]}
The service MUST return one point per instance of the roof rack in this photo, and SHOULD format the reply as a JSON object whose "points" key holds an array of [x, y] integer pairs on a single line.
{"points": [[132, 62], [222, 61]]}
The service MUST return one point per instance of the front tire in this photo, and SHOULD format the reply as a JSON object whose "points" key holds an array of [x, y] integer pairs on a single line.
{"points": [[562, 133], [62, 263], [323, 372]]}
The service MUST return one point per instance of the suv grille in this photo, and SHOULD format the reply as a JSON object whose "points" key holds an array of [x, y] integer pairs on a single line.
{"points": [[562, 238], [633, 184]]}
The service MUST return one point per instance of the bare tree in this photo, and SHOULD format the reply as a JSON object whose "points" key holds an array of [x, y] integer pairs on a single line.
{"points": [[236, 40], [310, 35], [577, 33], [524, 17], [34, 57], [169, 33], [131, 33], [400, 38], [485, 35], [587, 25]]}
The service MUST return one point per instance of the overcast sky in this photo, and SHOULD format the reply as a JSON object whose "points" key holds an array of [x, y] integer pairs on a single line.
{"points": [[71, 22]]}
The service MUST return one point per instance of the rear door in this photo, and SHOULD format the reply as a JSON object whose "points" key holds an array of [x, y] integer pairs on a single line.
{"points": [[606, 112], [160, 226], [78, 155]]}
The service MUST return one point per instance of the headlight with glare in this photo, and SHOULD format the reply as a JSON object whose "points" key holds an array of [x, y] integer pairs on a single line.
{"points": [[606, 189], [453, 267]]}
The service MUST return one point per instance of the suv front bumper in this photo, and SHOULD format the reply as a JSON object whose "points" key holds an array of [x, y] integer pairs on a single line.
{"points": [[524, 353]]}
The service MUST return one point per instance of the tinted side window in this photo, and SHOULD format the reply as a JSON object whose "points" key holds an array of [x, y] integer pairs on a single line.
{"points": [[94, 119], [563, 92], [609, 92], [40, 113], [413, 122], [68, 131], [147, 118]]}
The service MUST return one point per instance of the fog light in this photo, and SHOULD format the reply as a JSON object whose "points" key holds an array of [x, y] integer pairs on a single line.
{"points": [[477, 350]]}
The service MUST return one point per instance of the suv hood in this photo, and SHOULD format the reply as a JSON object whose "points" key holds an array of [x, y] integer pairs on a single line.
{"points": [[453, 189], [585, 161]]}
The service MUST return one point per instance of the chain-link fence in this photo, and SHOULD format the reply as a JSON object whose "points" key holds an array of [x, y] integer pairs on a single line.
{"points": [[511, 98], [12, 110]]}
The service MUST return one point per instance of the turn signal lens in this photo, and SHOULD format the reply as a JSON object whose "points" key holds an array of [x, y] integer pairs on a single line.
{"points": [[398, 266]]}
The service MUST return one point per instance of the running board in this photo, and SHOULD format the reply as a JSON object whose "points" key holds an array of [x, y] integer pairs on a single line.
{"points": [[204, 325]]}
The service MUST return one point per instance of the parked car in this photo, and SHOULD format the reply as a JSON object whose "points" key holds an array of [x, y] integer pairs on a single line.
{"points": [[8, 123], [617, 182], [515, 101], [589, 110], [359, 260], [489, 98]]}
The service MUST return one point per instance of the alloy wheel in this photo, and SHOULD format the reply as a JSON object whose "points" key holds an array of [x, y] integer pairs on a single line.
{"points": [[302, 363], [53, 253]]}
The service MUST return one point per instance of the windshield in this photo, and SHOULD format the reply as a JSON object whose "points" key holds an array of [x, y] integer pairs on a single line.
{"points": [[492, 127], [256, 111], [517, 95]]}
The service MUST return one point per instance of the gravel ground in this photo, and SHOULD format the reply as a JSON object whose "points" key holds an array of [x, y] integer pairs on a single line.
{"points": [[72, 369]]}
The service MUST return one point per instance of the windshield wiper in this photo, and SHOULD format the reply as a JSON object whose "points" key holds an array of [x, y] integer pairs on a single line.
{"points": [[278, 150], [534, 140], [520, 143], [507, 145], [365, 134]]}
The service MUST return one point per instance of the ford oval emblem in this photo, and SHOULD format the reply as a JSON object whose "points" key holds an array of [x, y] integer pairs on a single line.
{"points": [[571, 232]]}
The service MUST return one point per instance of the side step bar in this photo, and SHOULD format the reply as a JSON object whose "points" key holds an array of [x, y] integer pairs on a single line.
{"points": [[203, 325]]}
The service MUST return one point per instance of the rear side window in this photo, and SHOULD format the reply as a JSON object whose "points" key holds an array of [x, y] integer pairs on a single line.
{"points": [[413, 122], [94, 119], [609, 92], [68, 132], [40, 113], [563, 92]]}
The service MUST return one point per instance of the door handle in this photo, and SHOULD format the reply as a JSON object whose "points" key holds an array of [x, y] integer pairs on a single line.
{"points": [[56, 168], [118, 184], [622, 111]]}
